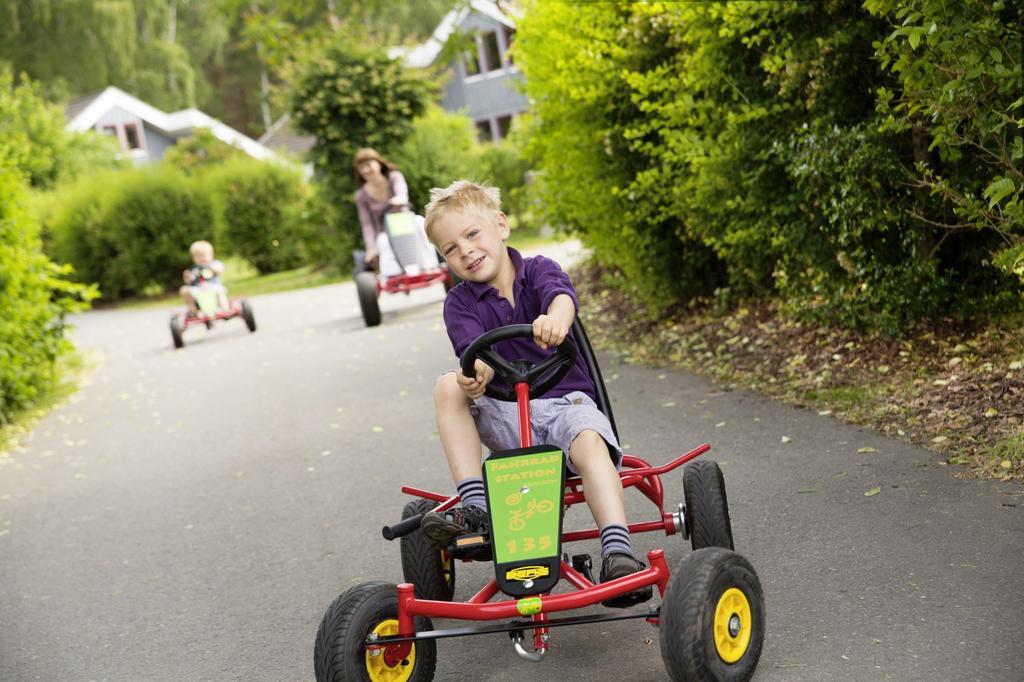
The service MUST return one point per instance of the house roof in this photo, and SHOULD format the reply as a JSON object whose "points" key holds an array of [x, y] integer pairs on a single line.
{"points": [[424, 54], [83, 113], [283, 137]]}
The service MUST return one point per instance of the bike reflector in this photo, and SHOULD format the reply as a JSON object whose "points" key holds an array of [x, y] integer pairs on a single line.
{"points": [[524, 497]]}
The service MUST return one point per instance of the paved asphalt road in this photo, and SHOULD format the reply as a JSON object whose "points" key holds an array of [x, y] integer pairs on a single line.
{"points": [[189, 515]]}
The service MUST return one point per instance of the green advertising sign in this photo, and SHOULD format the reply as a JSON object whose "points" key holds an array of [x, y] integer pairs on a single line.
{"points": [[524, 496]]}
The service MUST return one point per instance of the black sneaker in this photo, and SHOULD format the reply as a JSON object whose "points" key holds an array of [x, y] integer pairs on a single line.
{"points": [[619, 566], [441, 528]]}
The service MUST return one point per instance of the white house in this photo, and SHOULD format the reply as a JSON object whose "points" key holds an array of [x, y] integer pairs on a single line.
{"points": [[484, 82], [145, 132]]}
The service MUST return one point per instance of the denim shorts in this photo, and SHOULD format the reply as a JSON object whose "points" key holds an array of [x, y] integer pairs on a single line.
{"points": [[556, 421]]}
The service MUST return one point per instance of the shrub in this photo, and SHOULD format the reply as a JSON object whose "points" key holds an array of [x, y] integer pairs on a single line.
{"points": [[787, 149], [443, 147], [262, 212], [34, 298], [130, 231]]}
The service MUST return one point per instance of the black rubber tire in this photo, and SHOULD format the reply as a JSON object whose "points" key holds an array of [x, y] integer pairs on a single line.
{"points": [[250, 319], [707, 508], [338, 654], [452, 281], [177, 332], [687, 617], [423, 564], [366, 287]]}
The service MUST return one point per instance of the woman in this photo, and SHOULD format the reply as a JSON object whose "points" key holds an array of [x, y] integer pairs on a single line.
{"points": [[382, 188]]}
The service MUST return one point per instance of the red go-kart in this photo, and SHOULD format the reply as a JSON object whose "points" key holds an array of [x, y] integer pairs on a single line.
{"points": [[208, 312], [711, 617], [411, 263]]}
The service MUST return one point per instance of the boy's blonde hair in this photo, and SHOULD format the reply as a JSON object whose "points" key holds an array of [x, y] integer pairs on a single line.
{"points": [[459, 196], [201, 245]]}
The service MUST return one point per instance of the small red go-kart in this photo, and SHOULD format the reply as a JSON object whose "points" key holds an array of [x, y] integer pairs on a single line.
{"points": [[407, 262], [711, 617], [209, 311]]}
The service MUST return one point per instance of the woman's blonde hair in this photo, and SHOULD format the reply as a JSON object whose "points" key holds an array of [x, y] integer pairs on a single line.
{"points": [[370, 154], [459, 196]]}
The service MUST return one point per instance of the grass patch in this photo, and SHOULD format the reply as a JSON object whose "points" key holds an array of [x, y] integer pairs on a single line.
{"points": [[70, 369], [1010, 449], [243, 280], [842, 397]]}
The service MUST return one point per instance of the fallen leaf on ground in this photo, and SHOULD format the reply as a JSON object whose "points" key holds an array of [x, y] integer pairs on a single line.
{"points": [[940, 439], [866, 450], [872, 492], [668, 404], [719, 425], [1006, 464], [786, 439], [378, 429], [991, 412], [825, 413]]}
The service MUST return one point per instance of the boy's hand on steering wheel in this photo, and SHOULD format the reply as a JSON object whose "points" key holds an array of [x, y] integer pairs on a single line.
{"points": [[474, 386], [549, 331]]}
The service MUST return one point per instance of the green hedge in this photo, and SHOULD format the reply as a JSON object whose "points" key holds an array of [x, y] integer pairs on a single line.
{"points": [[863, 163], [34, 298], [443, 147], [263, 211], [130, 231]]}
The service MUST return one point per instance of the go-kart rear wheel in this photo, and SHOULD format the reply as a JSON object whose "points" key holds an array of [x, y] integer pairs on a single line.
{"points": [[429, 569], [712, 618], [707, 508], [366, 287], [177, 332], [339, 653], [250, 319], [451, 281]]}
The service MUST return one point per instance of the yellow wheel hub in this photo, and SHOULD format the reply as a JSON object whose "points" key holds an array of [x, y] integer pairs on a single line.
{"points": [[377, 667], [732, 625]]}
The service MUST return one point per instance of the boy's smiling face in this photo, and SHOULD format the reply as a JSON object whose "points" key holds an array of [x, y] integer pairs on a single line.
{"points": [[473, 243]]}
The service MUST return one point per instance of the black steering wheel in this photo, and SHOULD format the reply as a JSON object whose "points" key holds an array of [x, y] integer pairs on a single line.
{"points": [[540, 377]]}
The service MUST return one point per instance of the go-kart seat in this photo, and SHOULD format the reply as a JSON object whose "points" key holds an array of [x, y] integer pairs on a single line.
{"points": [[586, 351]]}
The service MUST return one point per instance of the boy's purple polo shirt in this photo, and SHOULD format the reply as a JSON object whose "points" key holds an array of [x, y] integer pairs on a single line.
{"points": [[472, 308]]}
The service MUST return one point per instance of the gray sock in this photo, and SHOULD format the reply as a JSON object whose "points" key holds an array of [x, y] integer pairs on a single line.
{"points": [[471, 490], [615, 540]]}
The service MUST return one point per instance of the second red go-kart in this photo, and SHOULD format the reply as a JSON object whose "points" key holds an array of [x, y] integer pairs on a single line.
{"points": [[711, 615], [414, 266], [208, 311]]}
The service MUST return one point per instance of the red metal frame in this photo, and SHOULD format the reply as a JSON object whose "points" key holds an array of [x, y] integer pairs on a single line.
{"points": [[405, 283], [635, 473], [234, 309]]}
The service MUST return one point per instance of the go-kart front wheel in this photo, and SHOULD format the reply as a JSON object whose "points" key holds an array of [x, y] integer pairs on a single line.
{"points": [[339, 653], [366, 287], [177, 332], [707, 508], [430, 570], [712, 618], [250, 319]]}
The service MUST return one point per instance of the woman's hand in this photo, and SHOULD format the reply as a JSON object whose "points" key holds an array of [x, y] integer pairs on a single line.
{"points": [[474, 386], [371, 257]]}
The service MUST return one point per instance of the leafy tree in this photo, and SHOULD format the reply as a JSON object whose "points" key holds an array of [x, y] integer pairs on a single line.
{"points": [[350, 96], [199, 151], [33, 138]]}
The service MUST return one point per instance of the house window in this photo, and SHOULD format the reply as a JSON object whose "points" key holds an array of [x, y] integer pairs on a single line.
{"points": [[504, 123], [483, 130], [492, 55], [131, 136], [110, 130], [472, 61], [510, 35]]}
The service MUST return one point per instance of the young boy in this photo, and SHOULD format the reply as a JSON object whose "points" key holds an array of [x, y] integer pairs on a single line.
{"points": [[204, 274], [500, 287]]}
